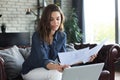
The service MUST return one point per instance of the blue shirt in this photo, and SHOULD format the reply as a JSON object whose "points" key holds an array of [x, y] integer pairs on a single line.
{"points": [[42, 53]]}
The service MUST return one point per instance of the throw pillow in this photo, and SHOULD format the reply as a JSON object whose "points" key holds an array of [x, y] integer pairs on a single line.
{"points": [[70, 47], [25, 52], [13, 61]]}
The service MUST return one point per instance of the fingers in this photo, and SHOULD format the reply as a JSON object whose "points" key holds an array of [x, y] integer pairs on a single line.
{"points": [[58, 67], [93, 57], [66, 66], [62, 67]]}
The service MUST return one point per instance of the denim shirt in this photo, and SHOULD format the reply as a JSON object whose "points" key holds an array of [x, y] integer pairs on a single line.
{"points": [[42, 53]]}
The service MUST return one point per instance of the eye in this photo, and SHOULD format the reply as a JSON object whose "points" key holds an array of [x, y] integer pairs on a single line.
{"points": [[58, 19]]}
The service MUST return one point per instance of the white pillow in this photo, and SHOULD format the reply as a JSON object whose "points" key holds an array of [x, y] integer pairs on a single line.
{"points": [[25, 52], [70, 47], [13, 61]]}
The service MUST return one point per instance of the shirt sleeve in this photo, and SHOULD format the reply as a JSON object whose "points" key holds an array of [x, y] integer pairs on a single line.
{"points": [[63, 48], [39, 50]]}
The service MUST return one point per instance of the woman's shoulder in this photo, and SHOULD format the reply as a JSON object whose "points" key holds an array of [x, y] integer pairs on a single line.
{"points": [[37, 38], [60, 36], [35, 34], [61, 33]]}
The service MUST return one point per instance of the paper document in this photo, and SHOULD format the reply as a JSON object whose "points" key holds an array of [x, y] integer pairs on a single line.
{"points": [[76, 56], [72, 56]]}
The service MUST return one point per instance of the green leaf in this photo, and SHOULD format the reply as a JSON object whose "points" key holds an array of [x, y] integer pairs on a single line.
{"points": [[72, 28]]}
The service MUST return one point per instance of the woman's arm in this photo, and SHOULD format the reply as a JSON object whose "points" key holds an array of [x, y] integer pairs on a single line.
{"points": [[58, 67], [39, 51]]}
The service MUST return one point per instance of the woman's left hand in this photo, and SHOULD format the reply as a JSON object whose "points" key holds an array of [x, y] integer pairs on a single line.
{"points": [[92, 57]]}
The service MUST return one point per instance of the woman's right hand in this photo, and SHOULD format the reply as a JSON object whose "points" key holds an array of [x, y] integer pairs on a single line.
{"points": [[58, 67]]}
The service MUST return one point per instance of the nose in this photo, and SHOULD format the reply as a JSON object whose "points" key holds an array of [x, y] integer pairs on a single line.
{"points": [[55, 21]]}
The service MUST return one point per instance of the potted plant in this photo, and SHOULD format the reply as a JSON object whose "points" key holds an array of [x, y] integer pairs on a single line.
{"points": [[72, 28]]}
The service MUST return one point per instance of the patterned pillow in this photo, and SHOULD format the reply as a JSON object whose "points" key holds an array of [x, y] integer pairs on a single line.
{"points": [[13, 61], [25, 52]]}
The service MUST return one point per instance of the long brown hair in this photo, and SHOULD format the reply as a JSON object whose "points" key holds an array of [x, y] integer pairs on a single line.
{"points": [[44, 23]]}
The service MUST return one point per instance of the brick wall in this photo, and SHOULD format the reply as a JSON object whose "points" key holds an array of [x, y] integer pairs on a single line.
{"points": [[66, 7], [13, 14]]}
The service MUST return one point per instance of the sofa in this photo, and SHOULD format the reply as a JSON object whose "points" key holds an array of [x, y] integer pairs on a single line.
{"points": [[11, 59], [109, 54]]}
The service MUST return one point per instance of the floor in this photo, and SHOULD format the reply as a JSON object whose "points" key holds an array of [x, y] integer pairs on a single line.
{"points": [[117, 75], [117, 71]]}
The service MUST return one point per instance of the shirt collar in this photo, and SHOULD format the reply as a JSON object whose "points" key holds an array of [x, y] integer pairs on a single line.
{"points": [[55, 38], [55, 35]]}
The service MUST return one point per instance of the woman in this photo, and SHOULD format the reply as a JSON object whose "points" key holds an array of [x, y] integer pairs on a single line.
{"points": [[47, 41]]}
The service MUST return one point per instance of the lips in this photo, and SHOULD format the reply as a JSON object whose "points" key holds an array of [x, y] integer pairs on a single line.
{"points": [[54, 27]]}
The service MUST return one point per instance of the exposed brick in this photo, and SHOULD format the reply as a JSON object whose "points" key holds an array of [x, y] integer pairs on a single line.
{"points": [[13, 14]]}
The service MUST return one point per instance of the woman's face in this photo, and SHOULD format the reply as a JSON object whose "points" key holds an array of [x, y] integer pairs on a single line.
{"points": [[55, 20]]}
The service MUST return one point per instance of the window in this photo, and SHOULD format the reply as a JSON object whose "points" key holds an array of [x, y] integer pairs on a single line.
{"points": [[99, 20], [118, 20]]}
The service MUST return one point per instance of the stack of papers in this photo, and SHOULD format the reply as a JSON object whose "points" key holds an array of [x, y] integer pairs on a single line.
{"points": [[81, 55]]}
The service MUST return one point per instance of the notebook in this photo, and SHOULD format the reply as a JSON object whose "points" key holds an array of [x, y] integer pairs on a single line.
{"points": [[86, 72]]}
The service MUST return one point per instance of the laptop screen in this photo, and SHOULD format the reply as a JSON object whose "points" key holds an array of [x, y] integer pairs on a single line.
{"points": [[86, 72]]}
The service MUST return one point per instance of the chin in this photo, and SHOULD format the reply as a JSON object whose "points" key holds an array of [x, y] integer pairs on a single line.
{"points": [[55, 29]]}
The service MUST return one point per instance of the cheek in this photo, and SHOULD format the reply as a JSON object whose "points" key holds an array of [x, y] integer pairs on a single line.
{"points": [[59, 22], [51, 23]]}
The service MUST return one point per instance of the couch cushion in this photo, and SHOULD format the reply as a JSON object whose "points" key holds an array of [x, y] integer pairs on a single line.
{"points": [[25, 52], [70, 47], [13, 61]]}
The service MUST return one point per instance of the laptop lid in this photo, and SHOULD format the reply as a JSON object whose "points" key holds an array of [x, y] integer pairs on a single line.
{"points": [[86, 72]]}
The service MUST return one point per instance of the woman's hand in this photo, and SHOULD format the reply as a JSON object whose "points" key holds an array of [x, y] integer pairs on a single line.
{"points": [[92, 57], [58, 67]]}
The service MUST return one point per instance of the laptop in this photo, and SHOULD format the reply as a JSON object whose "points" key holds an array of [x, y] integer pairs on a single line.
{"points": [[85, 72]]}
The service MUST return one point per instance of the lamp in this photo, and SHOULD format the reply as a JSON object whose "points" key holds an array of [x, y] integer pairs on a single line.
{"points": [[29, 10]]}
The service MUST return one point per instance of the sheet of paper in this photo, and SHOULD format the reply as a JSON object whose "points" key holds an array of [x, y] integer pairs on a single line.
{"points": [[72, 57], [76, 56], [93, 51]]}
